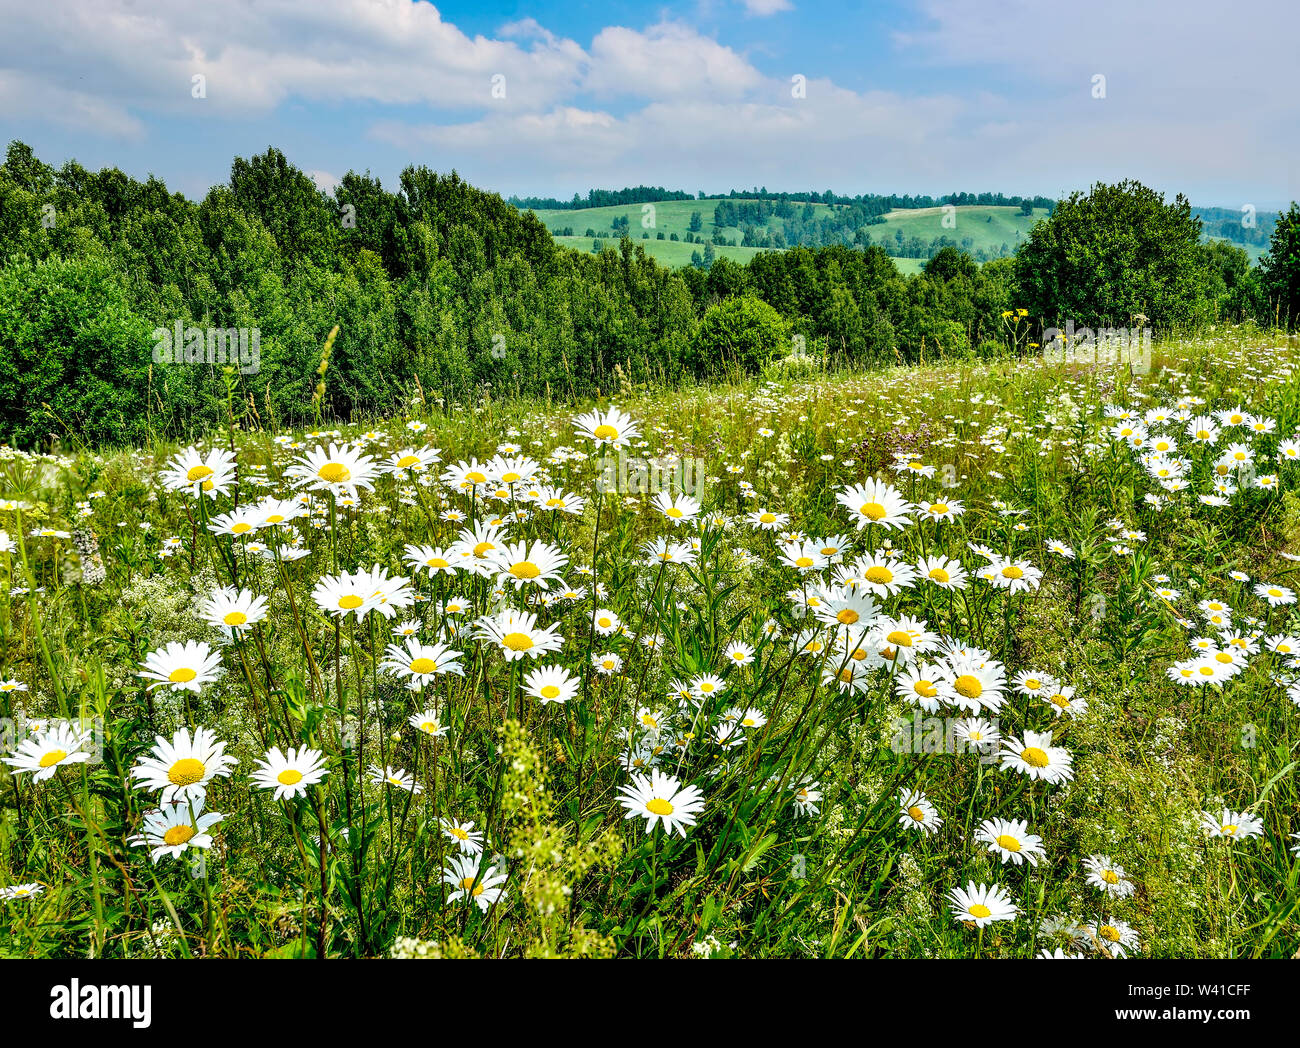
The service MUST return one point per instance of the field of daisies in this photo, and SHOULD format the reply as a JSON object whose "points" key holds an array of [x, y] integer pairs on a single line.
{"points": [[997, 660]]}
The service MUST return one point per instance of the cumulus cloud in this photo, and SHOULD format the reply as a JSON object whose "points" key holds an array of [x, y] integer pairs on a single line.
{"points": [[1190, 103]]}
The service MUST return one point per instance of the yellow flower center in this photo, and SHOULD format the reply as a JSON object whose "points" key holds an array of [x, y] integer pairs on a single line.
{"points": [[52, 758], [659, 806], [483, 548], [289, 777], [1012, 572], [468, 884], [406, 461], [185, 771], [978, 909], [879, 574], [517, 641], [182, 676], [1060, 700], [872, 510], [475, 477], [939, 508], [848, 617], [334, 473], [767, 518], [423, 666], [509, 478], [925, 688], [1008, 843], [235, 618], [1110, 877], [198, 473], [350, 601], [673, 512], [900, 638], [550, 691], [916, 813], [939, 575], [178, 835], [803, 562], [605, 432], [240, 528], [1034, 757], [1229, 830], [1109, 933], [436, 562], [525, 569], [968, 686]]}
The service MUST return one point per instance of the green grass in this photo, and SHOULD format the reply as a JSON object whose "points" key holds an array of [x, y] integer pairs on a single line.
{"points": [[1025, 448]]}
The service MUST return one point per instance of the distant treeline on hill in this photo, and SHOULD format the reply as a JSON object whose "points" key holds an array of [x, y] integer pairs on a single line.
{"points": [[601, 198], [870, 203]]}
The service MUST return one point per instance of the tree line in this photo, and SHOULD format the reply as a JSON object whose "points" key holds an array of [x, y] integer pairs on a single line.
{"points": [[443, 289]]}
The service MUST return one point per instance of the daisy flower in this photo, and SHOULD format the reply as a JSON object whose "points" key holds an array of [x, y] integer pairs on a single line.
{"points": [[1234, 824], [181, 667], [398, 777], [1114, 937], [680, 510], [516, 633], [468, 840], [428, 722], [1108, 877], [196, 474], [1035, 756], [1011, 839], [944, 573], [233, 609], [43, 754], [662, 798], [289, 774], [876, 502], [551, 684], [980, 905], [175, 828], [462, 874], [917, 813], [183, 767], [340, 470], [21, 891], [612, 428], [420, 663]]}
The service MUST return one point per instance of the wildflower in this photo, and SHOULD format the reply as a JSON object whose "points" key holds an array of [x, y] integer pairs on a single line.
{"points": [[173, 829], [43, 754], [662, 798], [183, 767], [980, 905], [289, 774], [181, 667]]}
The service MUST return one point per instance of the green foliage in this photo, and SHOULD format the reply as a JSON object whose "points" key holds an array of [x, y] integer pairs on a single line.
{"points": [[1280, 268], [739, 333], [1118, 251]]}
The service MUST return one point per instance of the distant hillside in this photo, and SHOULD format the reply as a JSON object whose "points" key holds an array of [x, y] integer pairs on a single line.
{"points": [[674, 231], [674, 226]]}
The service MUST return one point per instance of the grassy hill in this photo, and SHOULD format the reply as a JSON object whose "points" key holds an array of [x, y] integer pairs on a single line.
{"points": [[977, 228]]}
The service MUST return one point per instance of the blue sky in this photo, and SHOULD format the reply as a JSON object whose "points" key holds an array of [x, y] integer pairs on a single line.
{"points": [[921, 96]]}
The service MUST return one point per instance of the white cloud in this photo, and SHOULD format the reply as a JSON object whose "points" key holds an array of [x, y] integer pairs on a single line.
{"points": [[763, 8], [1192, 101], [666, 60]]}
